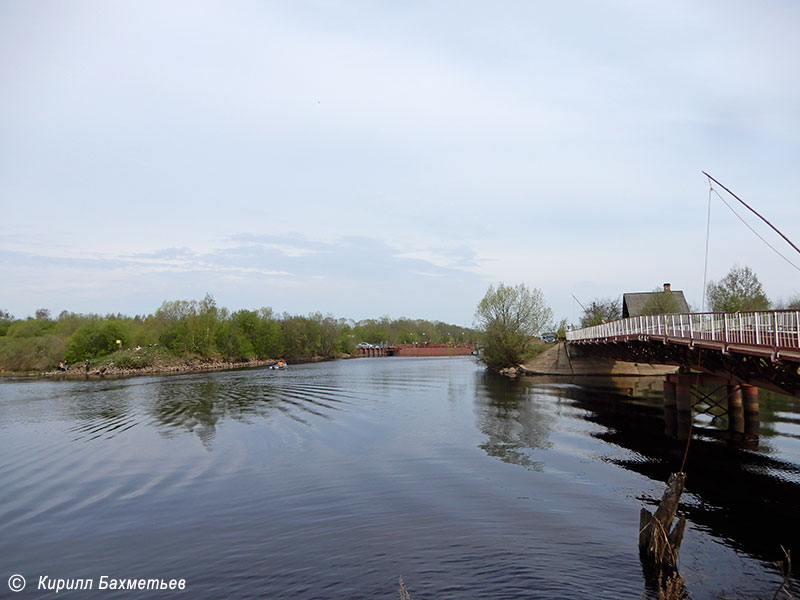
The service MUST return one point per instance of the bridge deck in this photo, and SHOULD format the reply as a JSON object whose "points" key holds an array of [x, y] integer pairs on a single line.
{"points": [[772, 334], [756, 348]]}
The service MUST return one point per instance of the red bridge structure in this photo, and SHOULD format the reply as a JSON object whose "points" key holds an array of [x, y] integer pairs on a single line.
{"points": [[423, 349], [735, 353], [433, 349]]}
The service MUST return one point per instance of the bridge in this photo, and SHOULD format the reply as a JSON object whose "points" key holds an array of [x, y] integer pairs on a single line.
{"points": [[730, 354], [758, 348]]}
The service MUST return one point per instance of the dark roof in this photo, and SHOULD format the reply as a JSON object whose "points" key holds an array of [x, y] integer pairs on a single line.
{"points": [[634, 303]]}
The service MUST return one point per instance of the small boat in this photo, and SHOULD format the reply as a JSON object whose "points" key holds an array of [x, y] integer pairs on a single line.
{"points": [[278, 365]]}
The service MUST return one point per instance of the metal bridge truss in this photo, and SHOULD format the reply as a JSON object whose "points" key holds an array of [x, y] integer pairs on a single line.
{"points": [[759, 348]]}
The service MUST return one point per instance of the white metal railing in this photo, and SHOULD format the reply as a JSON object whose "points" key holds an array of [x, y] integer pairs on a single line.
{"points": [[779, 329]]}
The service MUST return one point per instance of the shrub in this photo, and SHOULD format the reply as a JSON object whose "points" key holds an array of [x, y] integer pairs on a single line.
{"points": [[95, 339], [31, 354]]}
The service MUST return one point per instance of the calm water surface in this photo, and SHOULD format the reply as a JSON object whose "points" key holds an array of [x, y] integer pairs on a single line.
{"points": [[332, 480]]}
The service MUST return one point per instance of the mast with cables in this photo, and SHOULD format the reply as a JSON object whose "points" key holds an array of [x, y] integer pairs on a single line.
{"points": [[751, 209]]}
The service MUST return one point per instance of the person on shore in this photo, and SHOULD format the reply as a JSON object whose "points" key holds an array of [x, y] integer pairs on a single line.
{"points": [[86, 366]]}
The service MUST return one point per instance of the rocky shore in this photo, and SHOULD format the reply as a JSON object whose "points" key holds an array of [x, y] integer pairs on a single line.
{"points": [[109, 369]]}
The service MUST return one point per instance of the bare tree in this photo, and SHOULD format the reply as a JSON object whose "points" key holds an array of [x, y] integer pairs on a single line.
{"points": [[601, 310]]}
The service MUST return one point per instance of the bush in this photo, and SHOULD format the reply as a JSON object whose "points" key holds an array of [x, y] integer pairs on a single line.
{"points": [[130, 359], [95, 339], [30, 328], [31, 354]]}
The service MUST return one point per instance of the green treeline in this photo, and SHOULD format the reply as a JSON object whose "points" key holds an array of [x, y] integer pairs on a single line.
{"points": [[200, 329]]}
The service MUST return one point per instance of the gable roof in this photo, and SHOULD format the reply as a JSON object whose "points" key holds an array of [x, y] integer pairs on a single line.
{"points": [[634, 303]]}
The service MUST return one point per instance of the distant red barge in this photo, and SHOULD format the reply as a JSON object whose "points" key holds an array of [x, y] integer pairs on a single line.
{"points": [[427, 349]]}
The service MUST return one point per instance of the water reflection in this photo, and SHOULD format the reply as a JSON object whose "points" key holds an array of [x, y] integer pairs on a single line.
{"points": [[513, 421], [749, 499], [199, 405], [196, 404]]}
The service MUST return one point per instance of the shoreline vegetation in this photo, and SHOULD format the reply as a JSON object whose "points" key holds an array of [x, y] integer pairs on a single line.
{"points": [[511, 320], [186, 336], [164, 365]]}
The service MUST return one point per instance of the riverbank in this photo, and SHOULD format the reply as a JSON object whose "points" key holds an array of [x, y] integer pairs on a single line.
{"points": [[108, 368]]}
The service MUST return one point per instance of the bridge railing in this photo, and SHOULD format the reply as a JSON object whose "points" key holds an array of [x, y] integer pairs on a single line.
{"points": [[773, 329]]}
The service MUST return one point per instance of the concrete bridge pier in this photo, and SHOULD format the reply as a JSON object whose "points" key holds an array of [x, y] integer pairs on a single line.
{"points": [[677, 408], [670, 409], [683, 405]]}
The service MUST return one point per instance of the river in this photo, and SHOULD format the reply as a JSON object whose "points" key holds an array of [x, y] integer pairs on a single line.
{"points": [[332, 480]]}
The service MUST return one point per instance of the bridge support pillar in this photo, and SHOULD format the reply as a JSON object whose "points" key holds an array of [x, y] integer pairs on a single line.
{"points": [[687, 394], [683, 404], [670, 409], [669, 394], [751, 411], [735, 409], [683, 394]]}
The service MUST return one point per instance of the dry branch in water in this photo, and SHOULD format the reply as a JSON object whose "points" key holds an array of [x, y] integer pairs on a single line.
{"points": [[401, 588], [785, 567], [657, 542]]}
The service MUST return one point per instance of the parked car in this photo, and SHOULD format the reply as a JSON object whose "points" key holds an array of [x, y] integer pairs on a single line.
{"points": [[549, 338], [365, 345]]}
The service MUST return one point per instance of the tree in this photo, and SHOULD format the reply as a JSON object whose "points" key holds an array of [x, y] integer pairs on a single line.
{"points": [[601, 309], [509, 317], [30, 327], [6, 319], [561, 329], [738, 291], [188, 326], [792, 303]]}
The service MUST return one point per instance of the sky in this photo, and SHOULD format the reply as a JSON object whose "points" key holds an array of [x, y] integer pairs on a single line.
{"points": [[363, 158]]}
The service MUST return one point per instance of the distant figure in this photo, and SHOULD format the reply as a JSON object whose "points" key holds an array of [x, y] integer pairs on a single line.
{"points": [[61, 366], [86, 366]]}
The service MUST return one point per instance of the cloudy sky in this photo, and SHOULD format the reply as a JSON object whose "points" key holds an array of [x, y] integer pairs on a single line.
{"points": [[364, 158]]}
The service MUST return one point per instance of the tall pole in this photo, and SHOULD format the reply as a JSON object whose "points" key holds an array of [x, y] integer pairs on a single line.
{"points": [[705, 265]]}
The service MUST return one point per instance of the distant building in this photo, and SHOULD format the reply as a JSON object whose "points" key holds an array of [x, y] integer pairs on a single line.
{"points": [[654, 303]]}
